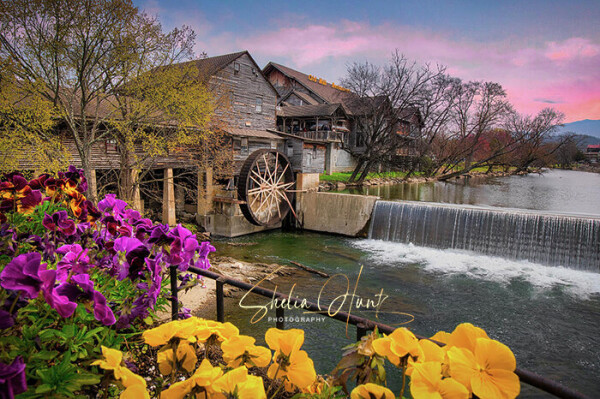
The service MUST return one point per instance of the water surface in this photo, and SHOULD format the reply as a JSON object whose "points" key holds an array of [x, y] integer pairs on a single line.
{"points": [[556, 191]]}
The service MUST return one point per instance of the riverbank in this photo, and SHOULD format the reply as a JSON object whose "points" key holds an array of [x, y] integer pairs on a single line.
{"points": [[338, 185], [201, 298]]}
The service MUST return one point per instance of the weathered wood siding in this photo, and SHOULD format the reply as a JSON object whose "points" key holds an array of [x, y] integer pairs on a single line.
{"points": [[240, 91], [313, 158], [284, 85]]}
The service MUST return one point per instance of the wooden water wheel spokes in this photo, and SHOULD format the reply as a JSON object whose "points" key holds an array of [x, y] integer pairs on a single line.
{"points": [[266, 184]]}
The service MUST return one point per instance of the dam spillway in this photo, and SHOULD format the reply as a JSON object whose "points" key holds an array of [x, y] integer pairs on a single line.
{"points": [[548, 239]]}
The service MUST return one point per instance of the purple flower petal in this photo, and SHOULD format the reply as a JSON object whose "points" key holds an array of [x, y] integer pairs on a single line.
{"points": [[12, 378], [22, 274]]}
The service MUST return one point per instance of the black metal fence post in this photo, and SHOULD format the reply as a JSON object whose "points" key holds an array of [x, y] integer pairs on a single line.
{"points": [[361, 331], [220, 300], [279, 317], [174, 300]]}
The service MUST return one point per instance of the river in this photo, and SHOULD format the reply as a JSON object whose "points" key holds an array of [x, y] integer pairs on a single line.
{"points": [[548, 315]]}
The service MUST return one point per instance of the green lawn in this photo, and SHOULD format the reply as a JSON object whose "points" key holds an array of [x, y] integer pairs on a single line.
{"points": [[344, 176]]}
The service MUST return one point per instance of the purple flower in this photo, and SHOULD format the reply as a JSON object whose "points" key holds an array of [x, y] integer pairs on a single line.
{"points": [[61, 303], [111, 203], [202, 261], [131, 255], [12, 378], [82, 288], [75, 259], [22, 274], [59, 221], [183, 247], [159, 235]]}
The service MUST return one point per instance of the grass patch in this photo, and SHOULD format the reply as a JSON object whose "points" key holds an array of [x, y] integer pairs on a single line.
{"points": [[345, 176]]}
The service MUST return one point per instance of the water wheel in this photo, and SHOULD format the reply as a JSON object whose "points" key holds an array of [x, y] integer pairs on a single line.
{"points": [[266, 184]]}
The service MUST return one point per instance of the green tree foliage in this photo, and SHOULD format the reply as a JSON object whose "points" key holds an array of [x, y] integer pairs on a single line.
{"points": [[108, 70]]}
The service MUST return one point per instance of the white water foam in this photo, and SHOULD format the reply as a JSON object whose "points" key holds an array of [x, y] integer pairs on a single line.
{"points": [[448, 261]]}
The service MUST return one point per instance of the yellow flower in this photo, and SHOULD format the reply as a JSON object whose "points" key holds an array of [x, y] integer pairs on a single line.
{"points": [[430, 352], [465, 335], [135, 385], [186, 356], [286, 342], [162, 334], [426, 382], [488, 371], [289, 361], [112, 359], [238, 382], [204, 376], [215, 330], [240, 350], [371, 391], [400, 343]]}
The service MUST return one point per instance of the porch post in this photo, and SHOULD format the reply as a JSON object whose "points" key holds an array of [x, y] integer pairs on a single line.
{"points": [[137, 199], [168, 208]]}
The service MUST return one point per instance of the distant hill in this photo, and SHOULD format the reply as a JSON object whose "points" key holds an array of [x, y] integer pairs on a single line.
{"points": [[583, 140], [585, 127]]}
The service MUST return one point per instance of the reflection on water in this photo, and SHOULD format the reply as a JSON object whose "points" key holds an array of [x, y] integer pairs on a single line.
{"points": [[560, 191]]}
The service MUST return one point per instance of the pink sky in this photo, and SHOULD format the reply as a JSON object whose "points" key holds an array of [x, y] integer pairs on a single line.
{"points": [[563, 73]]}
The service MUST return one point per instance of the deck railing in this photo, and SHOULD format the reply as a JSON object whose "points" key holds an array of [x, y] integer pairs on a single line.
{"points": [[362, 324]]}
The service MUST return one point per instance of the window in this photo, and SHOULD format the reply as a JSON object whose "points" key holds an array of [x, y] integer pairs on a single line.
{"points": [[258, 108], [244, 146], [236, 68], [111, 145]]}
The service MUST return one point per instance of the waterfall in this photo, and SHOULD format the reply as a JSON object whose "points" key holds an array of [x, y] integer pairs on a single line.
{"points": [[548, 239]]}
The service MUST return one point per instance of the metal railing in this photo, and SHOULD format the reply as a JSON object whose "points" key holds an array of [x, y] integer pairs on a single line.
{"points": [[363, 325]]}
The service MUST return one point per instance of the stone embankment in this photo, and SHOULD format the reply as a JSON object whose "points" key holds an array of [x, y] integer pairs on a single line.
{"points": [[339, 186]]}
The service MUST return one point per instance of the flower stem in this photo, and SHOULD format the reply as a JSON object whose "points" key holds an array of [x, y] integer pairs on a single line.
{"points": [[404, 363]]}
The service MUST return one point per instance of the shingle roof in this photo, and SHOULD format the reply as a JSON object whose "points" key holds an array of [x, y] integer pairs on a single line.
{"points": [[308, 110], [211, 65], [234, 131], [326, 92], [303, 96]]}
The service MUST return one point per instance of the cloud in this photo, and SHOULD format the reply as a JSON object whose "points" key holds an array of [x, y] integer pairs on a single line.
{"points": [[575, 47], [547, 101], [563, 74]]}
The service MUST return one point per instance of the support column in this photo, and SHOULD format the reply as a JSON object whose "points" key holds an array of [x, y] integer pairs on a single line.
{"points": [[329, 161], [168, 208], [205, 191], [93, 187], [136, 202]]}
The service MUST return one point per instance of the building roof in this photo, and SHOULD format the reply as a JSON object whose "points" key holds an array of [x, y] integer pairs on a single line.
{"points": [[239, 132], [326, 92], [303, 96], [309, 110], [593, 147]]}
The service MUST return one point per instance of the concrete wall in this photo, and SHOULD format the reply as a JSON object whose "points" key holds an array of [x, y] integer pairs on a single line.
{"points": [[343, 161], [344, 214], [305, 181]]}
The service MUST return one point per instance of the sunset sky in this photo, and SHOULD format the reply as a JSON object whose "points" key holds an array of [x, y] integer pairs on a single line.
{"points": [[544, 52]]}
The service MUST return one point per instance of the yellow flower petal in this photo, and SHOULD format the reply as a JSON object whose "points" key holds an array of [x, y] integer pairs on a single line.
{"points": [[494, 355], [187, 355], [260, 356], [227, 383], [452, 389], [177, 390], [441, 336], [301, 372], [135, 392], [130, 379], [432, 352], [284, 341], [370, 391], [165, 361], [206, 374], [382, 347], [462, 365], [465, 336]]}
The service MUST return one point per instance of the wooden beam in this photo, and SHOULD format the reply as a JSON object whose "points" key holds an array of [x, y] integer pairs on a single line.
{"points": [[168, 209]]}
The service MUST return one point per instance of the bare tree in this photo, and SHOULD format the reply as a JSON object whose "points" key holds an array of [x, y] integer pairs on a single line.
{"points": [[382, 95]]}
